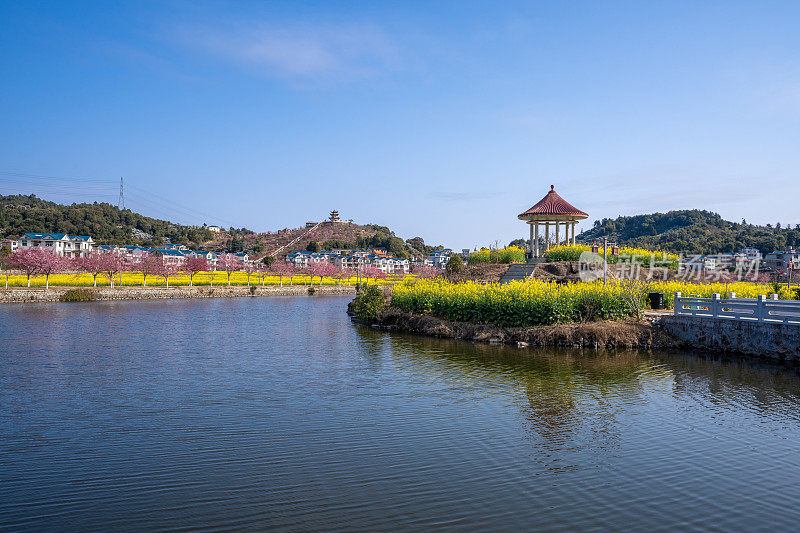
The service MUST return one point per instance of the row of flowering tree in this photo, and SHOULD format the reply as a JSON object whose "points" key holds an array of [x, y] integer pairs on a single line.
{"points": [[43, 263]]}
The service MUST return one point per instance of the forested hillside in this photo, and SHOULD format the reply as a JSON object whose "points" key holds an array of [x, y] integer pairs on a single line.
{"points": [[107, 224], [694, 232], [104, 222]]}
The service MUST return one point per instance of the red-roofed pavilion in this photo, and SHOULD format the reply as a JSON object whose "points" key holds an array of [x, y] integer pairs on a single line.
{"points": [[552, 209]]}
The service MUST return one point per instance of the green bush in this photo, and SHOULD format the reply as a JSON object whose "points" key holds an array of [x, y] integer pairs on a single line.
{"points": [[78, 295], [369, 304], [454, 265]]}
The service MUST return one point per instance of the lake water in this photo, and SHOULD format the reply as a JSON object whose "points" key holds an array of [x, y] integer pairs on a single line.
{"points": [[278, 413]]}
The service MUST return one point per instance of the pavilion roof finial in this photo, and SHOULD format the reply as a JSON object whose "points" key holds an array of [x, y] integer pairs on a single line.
{"points": [[552, 187]]}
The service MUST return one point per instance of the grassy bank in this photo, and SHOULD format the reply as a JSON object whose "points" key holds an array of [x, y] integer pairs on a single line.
{"points": [[533, 302]]}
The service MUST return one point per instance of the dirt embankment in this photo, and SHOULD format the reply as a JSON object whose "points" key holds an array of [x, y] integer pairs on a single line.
{"points": [[481, 272], [563, 271], [568, 271], [605, 334]]}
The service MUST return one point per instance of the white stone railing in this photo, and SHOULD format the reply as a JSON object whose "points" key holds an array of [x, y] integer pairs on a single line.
{"points": [[758, 309]]}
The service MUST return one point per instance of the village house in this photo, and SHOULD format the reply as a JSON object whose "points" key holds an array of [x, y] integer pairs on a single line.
{"points": [[389, 265], [170, 246], [244, 258], [11, 244], [171, 257], [782, 260], [439, 258], [57, 243], [210, 257], [352, 260]]}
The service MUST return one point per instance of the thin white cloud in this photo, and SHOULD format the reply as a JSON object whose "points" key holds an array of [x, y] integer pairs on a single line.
{"points": [[301, 52]]}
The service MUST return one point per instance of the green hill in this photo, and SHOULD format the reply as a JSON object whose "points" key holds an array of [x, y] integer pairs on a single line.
{"points": [[104, 222], [692, 232], [107, 224]]}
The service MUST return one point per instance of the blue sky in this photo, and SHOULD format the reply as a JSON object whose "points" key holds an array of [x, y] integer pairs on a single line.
{"points": [[438, 119]]}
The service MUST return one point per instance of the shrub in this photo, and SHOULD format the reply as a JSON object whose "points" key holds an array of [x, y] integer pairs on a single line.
{"points": [[369, 304], [77, 295], [454, 265]]}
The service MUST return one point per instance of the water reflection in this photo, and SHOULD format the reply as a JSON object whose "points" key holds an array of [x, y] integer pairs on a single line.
{"points": [[577, 400], [279, 413]]}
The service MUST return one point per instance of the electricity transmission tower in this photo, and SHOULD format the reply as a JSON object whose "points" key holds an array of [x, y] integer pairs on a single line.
{"points": [[121, 201]]}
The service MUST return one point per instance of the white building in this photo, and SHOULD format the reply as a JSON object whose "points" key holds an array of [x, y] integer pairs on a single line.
{"points": [[11, 244], [439, 258], [57, 243], [354, 260], [171, 257]]}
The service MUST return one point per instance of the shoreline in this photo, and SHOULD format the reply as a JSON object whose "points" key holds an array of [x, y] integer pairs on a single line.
{"points": [[22, 295], [773, 342], [627, 334]]}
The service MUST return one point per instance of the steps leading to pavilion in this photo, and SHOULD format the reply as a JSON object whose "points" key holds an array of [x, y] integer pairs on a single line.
{"points": [[518, 272]]}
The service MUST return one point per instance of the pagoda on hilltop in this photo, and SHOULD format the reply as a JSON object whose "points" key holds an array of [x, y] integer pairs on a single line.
{"points": [[552, 209], [334, 217]]}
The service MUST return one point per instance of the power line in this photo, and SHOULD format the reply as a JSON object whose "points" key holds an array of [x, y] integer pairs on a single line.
{"points": [[169, 206], [121, 201]]}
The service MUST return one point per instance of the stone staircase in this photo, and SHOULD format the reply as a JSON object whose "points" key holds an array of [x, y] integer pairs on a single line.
{"points": [[518, 272]]}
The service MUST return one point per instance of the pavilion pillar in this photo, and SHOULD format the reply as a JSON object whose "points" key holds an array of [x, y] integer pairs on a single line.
{"points": [[573, 232], [530, 248], [536, 238], [546, 236], [557, 243]]}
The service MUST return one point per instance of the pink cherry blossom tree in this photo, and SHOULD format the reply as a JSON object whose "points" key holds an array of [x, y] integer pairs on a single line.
{"points": [[27, 261], [151, 265], [194, 265], [372, 272], [346, 274], [282, 269], [168, 270], [427, 272], [249, 267], [93, 264], [229, 263], [111, 265], [321, 270], [49, 264]]}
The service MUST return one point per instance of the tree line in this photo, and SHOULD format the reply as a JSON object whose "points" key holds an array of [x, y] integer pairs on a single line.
{"points": [[35, 262], [693, 232]]}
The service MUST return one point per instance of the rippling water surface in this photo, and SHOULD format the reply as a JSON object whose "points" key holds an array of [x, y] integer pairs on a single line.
{"points": [[278, 413]]}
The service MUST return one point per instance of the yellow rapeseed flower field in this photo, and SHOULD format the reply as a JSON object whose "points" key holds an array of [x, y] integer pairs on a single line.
{"points": [[509, 254], [532, 302], [646, 258]]}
